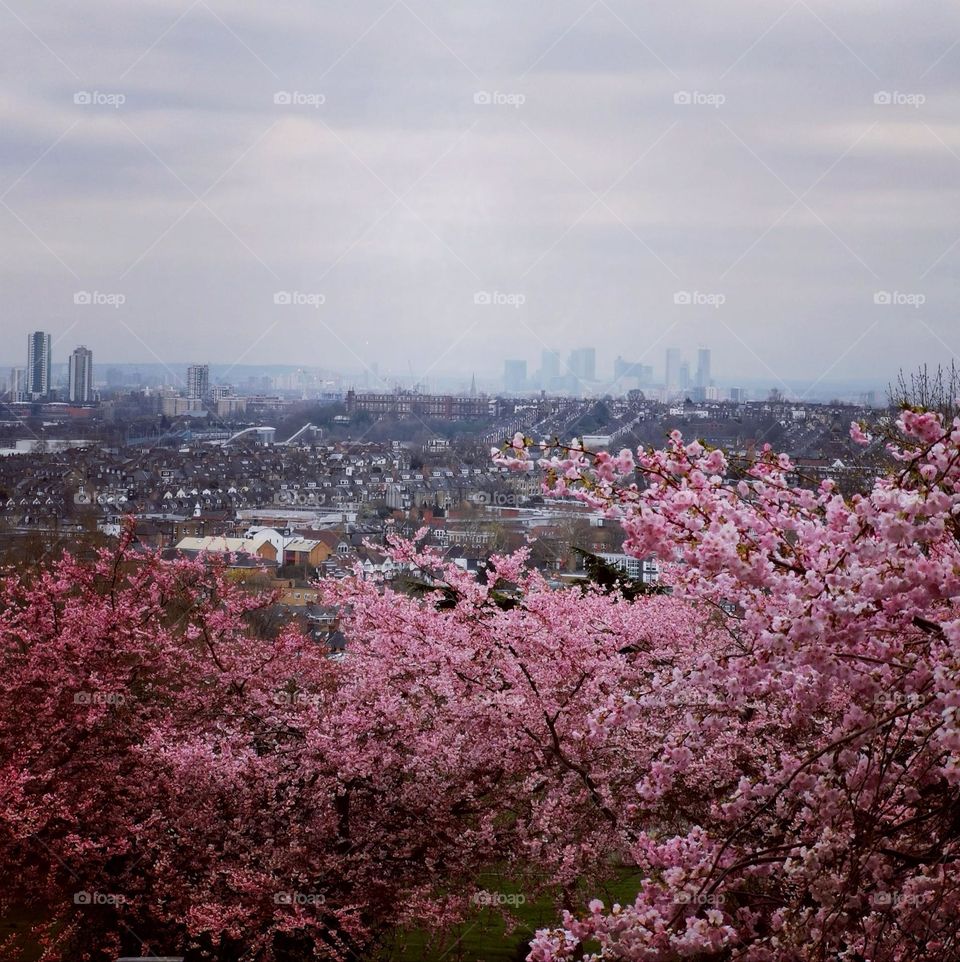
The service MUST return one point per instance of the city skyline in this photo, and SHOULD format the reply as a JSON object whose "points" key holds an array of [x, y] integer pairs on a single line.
{"points": [[560, 372], [187, 387], [657, 178]]}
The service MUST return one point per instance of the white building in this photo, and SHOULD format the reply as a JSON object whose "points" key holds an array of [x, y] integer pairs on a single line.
{"points": [[81, 376], [198, 380]]}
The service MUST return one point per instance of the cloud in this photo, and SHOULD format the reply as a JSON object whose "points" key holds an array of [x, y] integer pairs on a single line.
{"points": [[596, 157]]}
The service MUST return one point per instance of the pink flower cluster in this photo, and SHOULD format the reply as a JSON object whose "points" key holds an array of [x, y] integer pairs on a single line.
{"points": [[815, 767]]}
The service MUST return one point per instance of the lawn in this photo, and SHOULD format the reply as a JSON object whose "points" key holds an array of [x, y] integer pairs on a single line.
{"points": [[485, 938]]}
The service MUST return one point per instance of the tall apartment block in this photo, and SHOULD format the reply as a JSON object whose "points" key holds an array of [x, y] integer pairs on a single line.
{"points": [[38, 365], [81, 376], [198, 380]]}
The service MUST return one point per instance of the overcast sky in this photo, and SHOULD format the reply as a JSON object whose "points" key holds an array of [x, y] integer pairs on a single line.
{"points": [[586, 167]]}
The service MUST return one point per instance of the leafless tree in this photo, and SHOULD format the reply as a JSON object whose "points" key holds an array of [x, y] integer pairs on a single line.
{"points": [[939, 391]]}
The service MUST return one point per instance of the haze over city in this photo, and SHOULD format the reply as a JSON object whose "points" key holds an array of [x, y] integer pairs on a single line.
{"points": [[427, 190]]}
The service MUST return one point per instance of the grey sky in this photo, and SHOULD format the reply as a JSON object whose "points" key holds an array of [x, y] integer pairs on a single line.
{"points": [[598, 199]]}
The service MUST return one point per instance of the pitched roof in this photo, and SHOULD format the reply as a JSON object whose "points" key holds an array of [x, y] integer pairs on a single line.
{"points": [[220, 545]]}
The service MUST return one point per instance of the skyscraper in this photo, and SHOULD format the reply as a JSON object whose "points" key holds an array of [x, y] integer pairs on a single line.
{"points": [[38, 364], [549, 368], [16, 387], [583, 364], [515, 376], [198, 380], [671, 378], [703, 368], [81, 376]]}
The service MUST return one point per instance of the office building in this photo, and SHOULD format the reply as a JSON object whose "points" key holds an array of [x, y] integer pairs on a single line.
{"points": [[583, 364], [623, 370], [38, 365], [81, 376], [671, 378], [16, 385], [703, 368], [401, 404], [198, 380], [549, 367], [515, 376]]}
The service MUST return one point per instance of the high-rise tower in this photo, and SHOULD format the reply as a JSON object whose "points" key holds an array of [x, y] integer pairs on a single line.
{"points": [[81, 376], [38, 364]]}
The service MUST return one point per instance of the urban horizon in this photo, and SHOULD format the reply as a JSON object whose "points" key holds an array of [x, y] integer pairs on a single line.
{"points": [[576, 375]]}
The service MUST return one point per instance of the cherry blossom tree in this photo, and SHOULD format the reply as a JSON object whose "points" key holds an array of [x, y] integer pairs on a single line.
{"points": [[170, 779], [172, 782], [494, 686], [804, 803], [153, 791]]}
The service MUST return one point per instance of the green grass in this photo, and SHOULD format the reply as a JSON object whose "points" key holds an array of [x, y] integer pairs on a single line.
{"points": [[484, 938]]}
